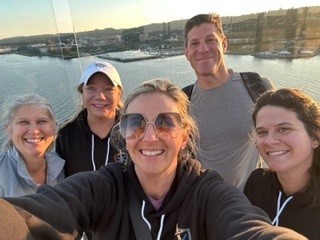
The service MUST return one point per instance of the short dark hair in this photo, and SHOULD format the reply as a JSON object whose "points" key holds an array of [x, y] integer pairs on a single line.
{"points": [[203, 18]]}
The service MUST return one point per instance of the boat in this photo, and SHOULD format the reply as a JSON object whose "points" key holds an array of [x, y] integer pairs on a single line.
{"points": [[267, 54], [284, 54], [307, 54], [5, 50]]}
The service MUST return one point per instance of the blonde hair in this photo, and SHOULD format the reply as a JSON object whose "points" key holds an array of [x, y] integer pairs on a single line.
{"points": [[166, 87]]}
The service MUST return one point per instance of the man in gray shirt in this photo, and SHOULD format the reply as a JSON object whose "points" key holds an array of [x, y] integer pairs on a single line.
{"points": [[220, 103]]}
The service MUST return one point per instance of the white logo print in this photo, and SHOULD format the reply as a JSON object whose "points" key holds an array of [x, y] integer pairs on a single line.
{"points": [[182, 233]]}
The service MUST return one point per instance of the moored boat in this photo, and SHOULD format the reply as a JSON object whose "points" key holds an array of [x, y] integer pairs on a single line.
{"points": [[285, 54], [5, 50]]}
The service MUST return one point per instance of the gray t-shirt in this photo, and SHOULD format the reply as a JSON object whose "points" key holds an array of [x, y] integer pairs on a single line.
{"points": [[224, 118]]}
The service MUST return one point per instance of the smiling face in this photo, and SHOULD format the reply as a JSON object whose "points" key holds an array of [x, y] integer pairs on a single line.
{"points": [[100, 97], [152, 155], [32, 131], [205, 49], [283, 141]]}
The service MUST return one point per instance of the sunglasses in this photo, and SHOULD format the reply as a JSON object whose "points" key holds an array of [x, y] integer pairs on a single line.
{"points": [[166, 125]]}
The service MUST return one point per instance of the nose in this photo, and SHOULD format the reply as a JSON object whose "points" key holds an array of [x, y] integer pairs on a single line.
{"points": [[33, 128], [102, 95], [272, 138], [150, 134], [203, 47]]}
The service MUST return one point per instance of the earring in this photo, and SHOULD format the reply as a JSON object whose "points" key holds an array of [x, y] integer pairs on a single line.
{"points": [[315, 145]]}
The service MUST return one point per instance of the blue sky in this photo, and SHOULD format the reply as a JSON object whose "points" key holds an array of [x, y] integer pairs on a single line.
{"points": [[33, 17]]}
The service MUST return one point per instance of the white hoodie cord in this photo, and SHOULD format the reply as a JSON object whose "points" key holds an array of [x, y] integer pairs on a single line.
{"points": [[161, 227], [142, 215], [107, 156], [147, 222], [92, 153], [280, 208]]}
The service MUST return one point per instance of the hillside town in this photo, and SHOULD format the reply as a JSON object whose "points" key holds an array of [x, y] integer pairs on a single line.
{"points": [[287, 33]]}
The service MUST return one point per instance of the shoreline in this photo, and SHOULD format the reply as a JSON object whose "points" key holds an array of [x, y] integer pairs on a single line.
{"points": [[126, 59]]}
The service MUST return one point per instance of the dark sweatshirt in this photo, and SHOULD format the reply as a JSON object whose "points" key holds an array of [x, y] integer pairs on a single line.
{"points": [[199, 203], [81, 148], [263, 189]]}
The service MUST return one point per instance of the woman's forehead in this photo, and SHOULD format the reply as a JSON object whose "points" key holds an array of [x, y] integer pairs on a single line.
{"points": [[152, 103]]}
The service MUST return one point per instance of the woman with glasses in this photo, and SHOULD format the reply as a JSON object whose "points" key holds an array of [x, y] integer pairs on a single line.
{"points": [[160, 192], [287, 135]]}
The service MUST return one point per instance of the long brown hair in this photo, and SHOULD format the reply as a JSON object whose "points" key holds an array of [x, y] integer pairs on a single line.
{"points": [[308, 112]]}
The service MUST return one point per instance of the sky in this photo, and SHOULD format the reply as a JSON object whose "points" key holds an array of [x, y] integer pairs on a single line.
{"points": [[34, 17]]}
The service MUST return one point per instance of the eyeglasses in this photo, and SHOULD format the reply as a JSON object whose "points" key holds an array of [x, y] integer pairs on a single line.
{"points": [[166, 125]]}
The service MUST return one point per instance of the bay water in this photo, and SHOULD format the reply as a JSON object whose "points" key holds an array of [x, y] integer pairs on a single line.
{"points": [[56, 79]]}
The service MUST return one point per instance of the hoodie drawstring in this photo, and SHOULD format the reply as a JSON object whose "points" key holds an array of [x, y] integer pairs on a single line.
{"points": [[142, 215], [161, 227], [147, 222], [92, 153], [280, 208]]}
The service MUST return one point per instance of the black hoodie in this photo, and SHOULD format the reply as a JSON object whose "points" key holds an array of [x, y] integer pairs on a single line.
{"points": [[81, 148], [199, 203], [299, 213]]}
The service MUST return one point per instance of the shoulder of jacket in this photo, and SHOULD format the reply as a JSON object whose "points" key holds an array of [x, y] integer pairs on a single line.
{"points": [[260, 173], [54, 156], [77, 125]]}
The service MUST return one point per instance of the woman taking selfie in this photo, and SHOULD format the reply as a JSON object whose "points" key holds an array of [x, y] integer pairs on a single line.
{"points": [[161, 192]]}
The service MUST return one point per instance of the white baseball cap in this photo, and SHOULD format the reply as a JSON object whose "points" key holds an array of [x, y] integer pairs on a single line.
{"points": [[103, 67]]}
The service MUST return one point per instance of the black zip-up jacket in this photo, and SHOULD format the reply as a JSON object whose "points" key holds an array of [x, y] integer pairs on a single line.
{"points": [[299, 213], [81, 148], [199, 204]]}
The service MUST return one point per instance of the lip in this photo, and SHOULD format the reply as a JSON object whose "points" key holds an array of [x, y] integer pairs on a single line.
{"points": [[205, 58]]}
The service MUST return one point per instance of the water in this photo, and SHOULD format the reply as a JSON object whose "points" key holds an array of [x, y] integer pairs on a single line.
{"points": [[56, 79]]}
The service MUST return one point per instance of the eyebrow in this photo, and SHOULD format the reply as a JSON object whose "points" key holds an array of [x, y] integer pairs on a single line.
{"points": [[279, 125]]}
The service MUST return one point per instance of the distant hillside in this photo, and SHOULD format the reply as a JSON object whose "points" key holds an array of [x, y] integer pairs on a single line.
{"points": [[43, 38], [101, 33], [179, 24], [26, 40], [158, 27], [246, 33]]}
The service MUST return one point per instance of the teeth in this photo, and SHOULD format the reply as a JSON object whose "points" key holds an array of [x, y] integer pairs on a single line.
{"points": [[151, 153], [99, 105], [34, 140], [276, 153]]}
